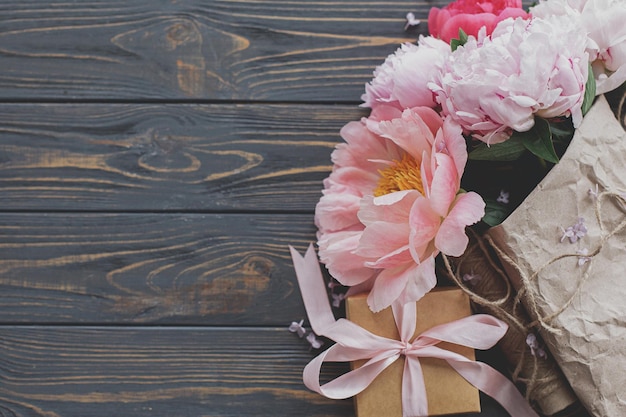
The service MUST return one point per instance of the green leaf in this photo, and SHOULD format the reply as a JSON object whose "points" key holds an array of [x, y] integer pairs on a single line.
{"points": [[495, 213], [590, 91], [463, 36], [538, 140], [562, 132], [509, 150], [462, 40]]}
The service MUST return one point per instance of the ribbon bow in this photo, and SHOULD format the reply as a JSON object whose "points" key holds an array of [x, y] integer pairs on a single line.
{"points": [[354, 343]]}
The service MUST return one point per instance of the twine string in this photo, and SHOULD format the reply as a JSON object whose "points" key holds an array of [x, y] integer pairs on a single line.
{"points": [[540, 380], [525, 292]]}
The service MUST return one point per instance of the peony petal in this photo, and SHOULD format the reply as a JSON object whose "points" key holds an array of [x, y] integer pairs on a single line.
{"points": [[337, 211], [431, 118], [454, 143], [391, 260], [470, 23], [513, 12], [336, 251], [360, 181], [392, 207], [389, 284], [362, 145], [420, 282], [468, 209], [445, 185], [604, 85], [433, 26], [382, 113], [381, 238], [410, 133], [424, 223]]}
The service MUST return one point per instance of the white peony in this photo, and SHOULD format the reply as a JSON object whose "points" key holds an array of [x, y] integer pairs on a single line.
{"points": [[494, 85], [401, 81], [605, 23]]}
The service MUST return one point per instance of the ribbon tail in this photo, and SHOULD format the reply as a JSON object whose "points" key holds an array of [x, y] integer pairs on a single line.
{"points": [[414, 401], [496, 385], [313, 291]]}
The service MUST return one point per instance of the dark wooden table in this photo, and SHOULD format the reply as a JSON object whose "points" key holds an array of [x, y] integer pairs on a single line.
{"points": [[156, 159]]}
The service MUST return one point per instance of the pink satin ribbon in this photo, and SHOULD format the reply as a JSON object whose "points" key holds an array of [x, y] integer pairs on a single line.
{"points": [[355, 343]]}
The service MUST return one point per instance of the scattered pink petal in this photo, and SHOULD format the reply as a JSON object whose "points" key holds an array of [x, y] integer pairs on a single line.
{"points": [[593, 193], [575, 232], [472, 278], [337, 299], [503, 197], [535, 348], [314, 341], [582, 256], [297, 328], [411, 21]]}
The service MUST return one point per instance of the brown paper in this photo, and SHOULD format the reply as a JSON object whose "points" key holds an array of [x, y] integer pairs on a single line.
{"points": [[447, 391], [588, 301]]}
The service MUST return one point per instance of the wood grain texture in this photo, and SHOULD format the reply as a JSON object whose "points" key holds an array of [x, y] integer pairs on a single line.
{"points": [[167, 157], [53, 372], [159, 268], [227, 50], [66, 371], [156, 159]]}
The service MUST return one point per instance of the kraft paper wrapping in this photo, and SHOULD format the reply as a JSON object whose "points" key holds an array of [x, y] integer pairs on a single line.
{"points": [[580, 301]]}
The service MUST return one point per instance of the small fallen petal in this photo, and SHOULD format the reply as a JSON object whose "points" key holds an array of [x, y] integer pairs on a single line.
{"points": [[582, 256], [566, 233], [297, 328], [314, 341], [503, 197], [531, 341], [575, 232], [541, 353], [535, 348], [411, 21], [337, 299], [593, 193], [472, 278]]}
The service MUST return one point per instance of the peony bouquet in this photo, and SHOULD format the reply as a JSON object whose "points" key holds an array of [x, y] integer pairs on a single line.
{"points": [[464, 125]]}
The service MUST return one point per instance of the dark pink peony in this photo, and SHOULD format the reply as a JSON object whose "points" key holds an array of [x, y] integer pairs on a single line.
{"points": [[471, 15]]}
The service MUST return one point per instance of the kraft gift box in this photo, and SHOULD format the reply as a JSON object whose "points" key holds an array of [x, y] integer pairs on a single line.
{"points": [[447, 391]]}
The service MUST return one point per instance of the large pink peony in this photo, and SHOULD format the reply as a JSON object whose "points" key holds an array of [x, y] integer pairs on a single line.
{"points": [[494, 85], [471, 16], [401, 81], [392, 203], [604, 21]]}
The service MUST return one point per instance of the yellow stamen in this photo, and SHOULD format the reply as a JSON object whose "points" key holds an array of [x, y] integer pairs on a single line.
{"points": [[402, 175]]}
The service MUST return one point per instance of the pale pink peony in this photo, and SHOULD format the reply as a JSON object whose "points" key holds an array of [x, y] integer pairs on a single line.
{"points": [[401, 81], [471, 16], [494, 85], [604, 21], [392, 203]]}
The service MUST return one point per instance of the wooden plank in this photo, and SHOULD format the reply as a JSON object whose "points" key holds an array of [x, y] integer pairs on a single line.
{"points": [[160, 49], [166, 157], [77, 371], [65, 371], [154, 269]]}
